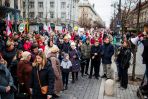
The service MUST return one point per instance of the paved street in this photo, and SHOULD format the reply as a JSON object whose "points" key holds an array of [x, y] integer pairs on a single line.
{"points": [[94, 89]]}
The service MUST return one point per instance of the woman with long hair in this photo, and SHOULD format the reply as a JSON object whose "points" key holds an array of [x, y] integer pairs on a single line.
{"points": [[42, 75], [123, 60]]}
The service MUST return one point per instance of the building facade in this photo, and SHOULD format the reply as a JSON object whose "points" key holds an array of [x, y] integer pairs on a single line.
{"points": [[13, 8], [57, 12], [87, 12], [143, 18]]}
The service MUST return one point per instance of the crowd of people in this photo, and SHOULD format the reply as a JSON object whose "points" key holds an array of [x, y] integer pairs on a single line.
{"points": [[39, 64]]}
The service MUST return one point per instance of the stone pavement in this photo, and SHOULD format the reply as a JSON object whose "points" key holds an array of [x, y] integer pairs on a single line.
{"points": [[94, 89], [130, 92], [83, 89]]}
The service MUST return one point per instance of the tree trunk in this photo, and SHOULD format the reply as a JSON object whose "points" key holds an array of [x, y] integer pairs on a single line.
{"points": [[134, 63]]}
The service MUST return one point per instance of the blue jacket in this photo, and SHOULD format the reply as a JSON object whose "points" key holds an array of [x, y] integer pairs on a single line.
{"points": [[5, 80], [107, 53]]}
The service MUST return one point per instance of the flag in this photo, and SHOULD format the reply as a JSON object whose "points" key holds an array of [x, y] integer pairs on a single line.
{"points": [[45, 28], [9, 26], [49, 28]]}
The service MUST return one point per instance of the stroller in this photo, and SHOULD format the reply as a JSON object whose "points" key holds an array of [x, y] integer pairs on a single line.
{"points": [[142, 91]]}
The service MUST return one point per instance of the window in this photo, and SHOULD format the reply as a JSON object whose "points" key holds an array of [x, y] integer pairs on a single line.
{"points": [[63, 5], [24, 5], [51, 4], [63, 15], [40, 14], [31, 4], [31, 14], [40, 4], [7, 3], [51, 14]]}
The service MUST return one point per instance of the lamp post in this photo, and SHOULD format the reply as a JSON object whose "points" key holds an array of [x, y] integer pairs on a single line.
{"points": [[15, 15]]}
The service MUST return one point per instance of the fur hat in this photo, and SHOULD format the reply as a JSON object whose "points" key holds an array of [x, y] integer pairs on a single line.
{"points": [[25, 55], [54, 49]]}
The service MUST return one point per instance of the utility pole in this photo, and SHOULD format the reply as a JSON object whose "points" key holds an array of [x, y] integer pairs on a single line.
{"points": [[57, 11], [46, 12], [27, 9], [70, 13], [15, 15], [73, 6], [120, 18]]}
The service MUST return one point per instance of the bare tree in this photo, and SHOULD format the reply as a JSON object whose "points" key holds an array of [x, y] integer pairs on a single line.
{"points": [[127, 7]]}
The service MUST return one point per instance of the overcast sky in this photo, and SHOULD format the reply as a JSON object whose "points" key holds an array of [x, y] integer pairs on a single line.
{"points": [[103, 8]]}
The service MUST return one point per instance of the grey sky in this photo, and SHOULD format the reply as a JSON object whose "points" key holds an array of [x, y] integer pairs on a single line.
{"points": [[103, 8]]}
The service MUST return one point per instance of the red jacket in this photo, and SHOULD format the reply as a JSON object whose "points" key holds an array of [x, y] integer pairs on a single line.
{"points": [[24, 70], [27, 46]]}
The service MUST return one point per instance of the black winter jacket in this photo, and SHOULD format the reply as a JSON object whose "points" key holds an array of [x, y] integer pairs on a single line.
{"points": [[124, 57], [96, 49], [47, 78], [145, 52]]}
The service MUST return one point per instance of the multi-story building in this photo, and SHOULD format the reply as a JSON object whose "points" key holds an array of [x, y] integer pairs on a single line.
{"points": [[87, 12], [11, 7], [58, 12], [143, 16]]}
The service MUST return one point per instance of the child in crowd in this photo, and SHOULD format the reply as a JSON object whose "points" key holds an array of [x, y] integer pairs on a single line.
{"points": [[65, 66]]}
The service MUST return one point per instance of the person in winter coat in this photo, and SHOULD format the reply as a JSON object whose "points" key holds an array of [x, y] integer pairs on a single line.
{"points": [[85, 54], [65, 66], [48, 47], [75, 59], [107, 53], [57, 71], [6, 82], [123, 60], [66, 45], [13, 66], [95, 59], [42, 75], [2, 44], [34, 51], [27, 45], [9, 52], [24, 70], [145, 56]]}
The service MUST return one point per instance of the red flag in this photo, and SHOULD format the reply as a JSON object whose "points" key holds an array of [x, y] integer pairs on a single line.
{"points": [[9, 26]]}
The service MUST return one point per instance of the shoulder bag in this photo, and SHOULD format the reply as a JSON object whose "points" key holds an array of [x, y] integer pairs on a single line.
{"points": [[44, 89]]}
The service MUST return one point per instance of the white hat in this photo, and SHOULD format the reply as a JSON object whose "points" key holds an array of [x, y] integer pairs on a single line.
{"points": [[73, 44], [25, 55]]}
